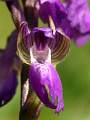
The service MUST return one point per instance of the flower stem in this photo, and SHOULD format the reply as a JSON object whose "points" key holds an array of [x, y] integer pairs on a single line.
{"points": [[30, 109]]}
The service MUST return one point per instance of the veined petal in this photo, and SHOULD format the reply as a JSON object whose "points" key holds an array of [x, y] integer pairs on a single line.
{"points": [[23, 52], [41, 40], [60, 46]]}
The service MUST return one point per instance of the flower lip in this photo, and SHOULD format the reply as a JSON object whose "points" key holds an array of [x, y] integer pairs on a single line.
{"points": [[47, 85]]}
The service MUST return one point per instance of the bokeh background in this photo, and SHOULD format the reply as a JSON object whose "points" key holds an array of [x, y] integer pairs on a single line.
{"points": [[75, 75]]}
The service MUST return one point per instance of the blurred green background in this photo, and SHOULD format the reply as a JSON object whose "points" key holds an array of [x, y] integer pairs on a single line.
{"points": [[75, 75]]}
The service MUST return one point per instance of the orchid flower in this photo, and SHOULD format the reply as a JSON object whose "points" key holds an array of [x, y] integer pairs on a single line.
{"points": [[72, 16], [44, 49]]}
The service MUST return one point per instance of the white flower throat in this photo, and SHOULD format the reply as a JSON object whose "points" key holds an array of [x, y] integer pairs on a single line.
{"points": [[40, 56]]}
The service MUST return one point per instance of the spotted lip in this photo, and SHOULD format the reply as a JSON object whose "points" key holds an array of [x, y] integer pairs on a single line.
{"points": [[47, 85]]}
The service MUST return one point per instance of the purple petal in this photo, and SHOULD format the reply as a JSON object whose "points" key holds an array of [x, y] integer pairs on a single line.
{"points": [[77, 23], [8, 83], [53, 8], [47, 85], [8, 75], [82, 40], [79, 14], [41, 36]]}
